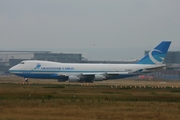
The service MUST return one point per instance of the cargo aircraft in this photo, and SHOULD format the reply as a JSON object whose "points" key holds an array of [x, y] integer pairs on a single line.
{"points": [[77, 72]]}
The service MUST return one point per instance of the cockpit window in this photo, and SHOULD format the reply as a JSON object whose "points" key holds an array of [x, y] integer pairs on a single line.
{"points": [[21, 63]]}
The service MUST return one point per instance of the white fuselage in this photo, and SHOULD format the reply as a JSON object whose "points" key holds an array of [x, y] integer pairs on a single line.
{"points": [[55, 70]]}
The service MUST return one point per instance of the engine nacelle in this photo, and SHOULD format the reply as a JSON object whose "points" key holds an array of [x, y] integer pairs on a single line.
{"points": [[73, 79], [99, 77]]}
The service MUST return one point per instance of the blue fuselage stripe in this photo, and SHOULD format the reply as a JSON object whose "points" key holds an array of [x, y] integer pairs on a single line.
{"points": [[52, 74]]}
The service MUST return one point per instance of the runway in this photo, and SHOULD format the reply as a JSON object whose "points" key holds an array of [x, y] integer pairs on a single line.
{"points": [[120, 82]]}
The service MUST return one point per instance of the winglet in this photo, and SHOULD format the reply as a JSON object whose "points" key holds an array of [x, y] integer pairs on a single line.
{"points": [[157, 55]]}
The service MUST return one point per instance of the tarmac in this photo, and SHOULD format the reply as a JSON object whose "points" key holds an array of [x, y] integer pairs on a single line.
{"points": [[118, 83]]}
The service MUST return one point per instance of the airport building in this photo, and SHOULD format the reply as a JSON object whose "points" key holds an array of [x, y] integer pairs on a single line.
{"points": [[59, 57], [5, 56]]}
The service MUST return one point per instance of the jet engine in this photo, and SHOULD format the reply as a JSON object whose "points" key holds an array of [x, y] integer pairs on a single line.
{"points": [[73, 79], [99, 77]]}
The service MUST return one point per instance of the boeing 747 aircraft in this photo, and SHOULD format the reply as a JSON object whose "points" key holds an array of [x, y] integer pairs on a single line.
{"points": [[74, 72]]}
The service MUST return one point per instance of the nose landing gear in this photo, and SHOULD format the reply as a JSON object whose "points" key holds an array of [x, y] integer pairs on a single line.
{"points": [[26, 79]]}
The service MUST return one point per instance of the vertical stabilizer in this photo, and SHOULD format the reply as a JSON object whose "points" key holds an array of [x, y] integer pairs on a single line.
{"points": [[157, 55]]}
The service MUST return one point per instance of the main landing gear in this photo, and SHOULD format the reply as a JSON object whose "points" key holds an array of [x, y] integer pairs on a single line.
{"points": [[26, 79]]}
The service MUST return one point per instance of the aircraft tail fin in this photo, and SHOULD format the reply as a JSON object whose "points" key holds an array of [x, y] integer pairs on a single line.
{"points": [[157, 55]]}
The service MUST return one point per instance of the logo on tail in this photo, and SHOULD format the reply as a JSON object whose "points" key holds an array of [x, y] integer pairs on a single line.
{"points": [[158, 58], [157, 55]]}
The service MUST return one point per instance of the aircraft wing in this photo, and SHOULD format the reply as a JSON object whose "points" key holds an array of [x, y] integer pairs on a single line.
{"points": [[117, 73], [106, 73], [102, 76]]}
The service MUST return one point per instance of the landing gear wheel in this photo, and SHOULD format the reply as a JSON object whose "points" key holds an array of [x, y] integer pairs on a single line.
{"points": [[26, 79]]}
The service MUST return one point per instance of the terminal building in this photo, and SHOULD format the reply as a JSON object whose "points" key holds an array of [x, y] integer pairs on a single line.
{"points": [[59, 57]]}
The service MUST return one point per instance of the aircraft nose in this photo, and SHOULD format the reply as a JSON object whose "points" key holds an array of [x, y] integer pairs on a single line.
{"points": [[12, 69]]}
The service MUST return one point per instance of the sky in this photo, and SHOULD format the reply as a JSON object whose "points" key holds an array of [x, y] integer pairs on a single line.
{"points": [[99, 29]]}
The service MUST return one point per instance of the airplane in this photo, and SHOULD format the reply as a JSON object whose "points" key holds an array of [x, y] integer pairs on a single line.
{"points": [[78, 72]]}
